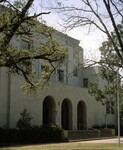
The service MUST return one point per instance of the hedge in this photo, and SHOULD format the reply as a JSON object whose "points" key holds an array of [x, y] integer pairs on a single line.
{"points": [[32, 135]]}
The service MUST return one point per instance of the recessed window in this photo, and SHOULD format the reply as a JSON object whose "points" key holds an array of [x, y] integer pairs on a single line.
{"points": [[66, 42], [107, 107], [27, 63], [24, 44], [110, 107], [45, 69], [85, 82], [75, 72], [60, 75]]}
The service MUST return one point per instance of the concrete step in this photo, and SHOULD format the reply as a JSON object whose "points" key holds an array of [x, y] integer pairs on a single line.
{"points": [[90, 134]]}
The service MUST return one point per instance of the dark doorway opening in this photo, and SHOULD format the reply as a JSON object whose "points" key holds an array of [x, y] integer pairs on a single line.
{"points": [[66, 114], [81, 116], [49, 115]]}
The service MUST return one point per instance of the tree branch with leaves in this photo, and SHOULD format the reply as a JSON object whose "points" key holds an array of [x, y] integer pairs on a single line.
{"points": [[16, 22]]}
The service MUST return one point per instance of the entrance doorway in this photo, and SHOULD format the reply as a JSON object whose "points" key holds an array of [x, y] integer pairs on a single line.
{"points": [[81, 116], [49, 111], [66, 114]]}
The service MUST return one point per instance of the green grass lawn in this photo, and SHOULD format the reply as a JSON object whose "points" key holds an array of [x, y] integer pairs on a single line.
{"points": [[68, 146]]}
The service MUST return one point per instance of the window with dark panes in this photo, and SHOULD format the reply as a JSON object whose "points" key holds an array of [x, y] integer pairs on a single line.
{"points": [[60, 75], [85, 82], [75, 72], [112, 107], [107, 107], [25, 44], [45, 68]]}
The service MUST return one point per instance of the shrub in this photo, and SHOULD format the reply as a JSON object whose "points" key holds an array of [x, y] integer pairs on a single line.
{"points": [[104, 126], [25, 120]]}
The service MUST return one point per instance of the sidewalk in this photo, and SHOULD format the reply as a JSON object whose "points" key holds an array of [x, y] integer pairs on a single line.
{"points": [[113, 140], [80, 145]]}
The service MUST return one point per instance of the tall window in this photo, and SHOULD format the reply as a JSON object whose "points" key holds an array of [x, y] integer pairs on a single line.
{"points": [[25, 44], [45, 68], [108, 107], [112, 107], [60, 75], [75, 72], [85, 82]]}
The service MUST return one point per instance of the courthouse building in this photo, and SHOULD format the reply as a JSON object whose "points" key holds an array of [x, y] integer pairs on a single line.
{"points": [[65, 101]]}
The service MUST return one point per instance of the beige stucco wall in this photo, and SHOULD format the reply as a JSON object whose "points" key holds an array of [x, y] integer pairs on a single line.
{"points": [[3, 96], [58, 91]]}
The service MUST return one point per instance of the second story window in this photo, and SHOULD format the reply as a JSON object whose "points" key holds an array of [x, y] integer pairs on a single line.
{"points": [[60, 75], [45, 69], [24, 44], [85, 82], [75, 72]]}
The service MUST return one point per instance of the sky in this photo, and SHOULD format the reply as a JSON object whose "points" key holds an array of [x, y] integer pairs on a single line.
{"points": [[90, 42]]}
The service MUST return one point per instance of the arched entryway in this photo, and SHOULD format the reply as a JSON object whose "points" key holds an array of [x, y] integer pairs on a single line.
{"points": [[49, 111], [66, 114], [81, 116]]}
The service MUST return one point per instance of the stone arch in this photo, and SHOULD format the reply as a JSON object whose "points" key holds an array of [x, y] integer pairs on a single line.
{"points": [[81, 116], [49, 111], [66, 114]]}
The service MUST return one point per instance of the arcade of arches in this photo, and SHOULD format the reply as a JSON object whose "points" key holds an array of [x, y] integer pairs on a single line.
{"points": [[50, 113]]}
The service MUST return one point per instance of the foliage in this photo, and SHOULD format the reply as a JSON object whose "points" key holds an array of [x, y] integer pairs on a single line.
{"points": [[25, 120], [18, 25], [103, 126], [110, 71], [31, 135], [108, 53]]}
